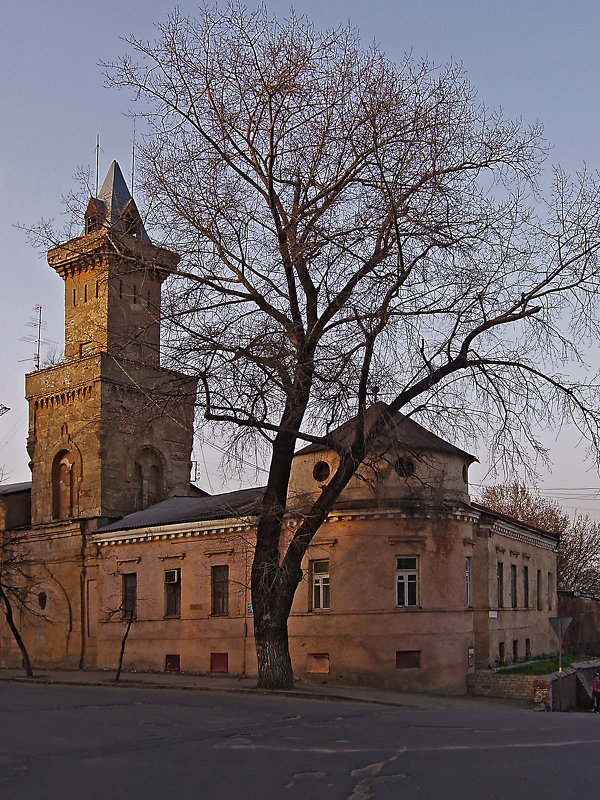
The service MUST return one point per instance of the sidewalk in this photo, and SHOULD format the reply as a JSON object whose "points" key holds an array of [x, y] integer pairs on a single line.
{"points": [[245, 685]]}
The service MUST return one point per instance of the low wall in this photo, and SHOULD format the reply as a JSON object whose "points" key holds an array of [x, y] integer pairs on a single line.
{"points": [[562, 691], [530, 688]]}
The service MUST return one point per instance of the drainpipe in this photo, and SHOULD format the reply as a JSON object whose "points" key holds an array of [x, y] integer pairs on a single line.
{"points": [[82, 603]]}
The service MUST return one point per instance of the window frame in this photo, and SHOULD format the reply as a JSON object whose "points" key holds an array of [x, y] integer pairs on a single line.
{"points": [[128, 595], [172, 594], [407, 578], [500, 583], [525, 586], [514, 598], [219, 607], [320, 586]]}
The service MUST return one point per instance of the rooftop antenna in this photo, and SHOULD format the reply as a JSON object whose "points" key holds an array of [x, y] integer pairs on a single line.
{"points": [[37, 324], [133, 156], [97, 161]]}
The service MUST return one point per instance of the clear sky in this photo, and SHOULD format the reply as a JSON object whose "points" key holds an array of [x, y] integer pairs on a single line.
{"points": [[537, 59]]}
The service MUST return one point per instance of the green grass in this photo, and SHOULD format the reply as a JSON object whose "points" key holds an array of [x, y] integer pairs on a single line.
{"points": [[544, 666]]}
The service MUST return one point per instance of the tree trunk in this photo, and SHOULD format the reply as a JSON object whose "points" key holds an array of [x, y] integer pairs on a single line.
{"points": [[17, 636], [123, 643], [273, 655]]}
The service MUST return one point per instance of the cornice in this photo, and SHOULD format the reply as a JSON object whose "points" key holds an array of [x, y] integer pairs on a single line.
{"points": [[235, 526]]}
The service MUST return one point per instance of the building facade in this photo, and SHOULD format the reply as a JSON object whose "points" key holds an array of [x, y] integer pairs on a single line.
{"points": [[407, 585]]}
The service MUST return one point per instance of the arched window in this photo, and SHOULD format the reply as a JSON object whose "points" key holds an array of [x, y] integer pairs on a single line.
{"points": [[63, 486], [138, 487], [155, 489], [148, 479]]}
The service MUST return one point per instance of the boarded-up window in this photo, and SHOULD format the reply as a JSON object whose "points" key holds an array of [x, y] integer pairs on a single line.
{"points": [[318, 663], [172, 662], [408, 659], [219, 662]]}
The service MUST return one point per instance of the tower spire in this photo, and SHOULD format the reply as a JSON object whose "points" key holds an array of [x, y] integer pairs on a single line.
{"points": [[115, 208]]}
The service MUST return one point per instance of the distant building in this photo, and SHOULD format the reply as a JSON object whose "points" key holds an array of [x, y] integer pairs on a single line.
{"points": [[407, 585]]}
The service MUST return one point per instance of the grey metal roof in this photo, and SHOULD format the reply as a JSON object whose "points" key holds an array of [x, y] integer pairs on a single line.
{"points": [[115, 202], [403, 432], [15, 488], [242, 503]]}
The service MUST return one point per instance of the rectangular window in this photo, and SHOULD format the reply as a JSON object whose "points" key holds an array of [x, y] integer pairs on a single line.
{"points": [[500, 583], [539, 590], [85, 293], [550, 591], [74, 297], [408, 659], [501, 652], [525, 587], [528, 649], [513, 585], [515, 650], [468, 581], [319, 571], [407, 581], [220, 590], [172, 593], [129, 595]]}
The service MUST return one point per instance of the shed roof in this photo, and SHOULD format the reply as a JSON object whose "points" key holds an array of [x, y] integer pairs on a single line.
{"points": [[15, 488]]}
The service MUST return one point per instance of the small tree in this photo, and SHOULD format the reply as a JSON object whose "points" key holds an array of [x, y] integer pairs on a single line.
{"points": [[15, 582], [347, 227]]}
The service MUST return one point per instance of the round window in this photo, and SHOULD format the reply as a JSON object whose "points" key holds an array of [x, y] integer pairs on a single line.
{"points": [[321, 471], [42, 600], [404, 467]]}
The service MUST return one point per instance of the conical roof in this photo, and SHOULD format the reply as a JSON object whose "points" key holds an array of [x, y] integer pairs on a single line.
{"points": [[116, 205]]}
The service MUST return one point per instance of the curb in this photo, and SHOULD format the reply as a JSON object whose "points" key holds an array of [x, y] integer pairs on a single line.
{"points": [[110, 683]]}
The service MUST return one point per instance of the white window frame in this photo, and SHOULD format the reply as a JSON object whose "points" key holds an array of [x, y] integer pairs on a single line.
{"points": [[320, 586], [407, 578]]}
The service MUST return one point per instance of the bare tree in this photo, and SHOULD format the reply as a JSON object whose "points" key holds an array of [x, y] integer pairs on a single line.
{"points": [[349, 226], [579, 557], [15, 584], [578, 561], [127, 614], [526, 505]]}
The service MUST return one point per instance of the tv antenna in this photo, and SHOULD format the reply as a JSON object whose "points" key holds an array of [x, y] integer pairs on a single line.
{"points": [[133, 155], [97, 161], [38, 325]]}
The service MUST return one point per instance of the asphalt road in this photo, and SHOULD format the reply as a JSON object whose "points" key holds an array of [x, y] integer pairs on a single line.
{"points": [[63, 742]]}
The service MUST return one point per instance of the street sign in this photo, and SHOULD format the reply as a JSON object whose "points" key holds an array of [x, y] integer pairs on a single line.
{"points": [[560, 625]]}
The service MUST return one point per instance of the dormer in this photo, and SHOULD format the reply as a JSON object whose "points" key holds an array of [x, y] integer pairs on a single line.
{"points": [[95, 214]]}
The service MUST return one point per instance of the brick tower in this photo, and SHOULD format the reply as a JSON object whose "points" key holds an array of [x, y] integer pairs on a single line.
{"points": [[110, 431]]}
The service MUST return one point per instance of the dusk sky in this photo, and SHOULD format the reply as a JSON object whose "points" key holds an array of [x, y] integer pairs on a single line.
{"points": [[536, 59]]}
